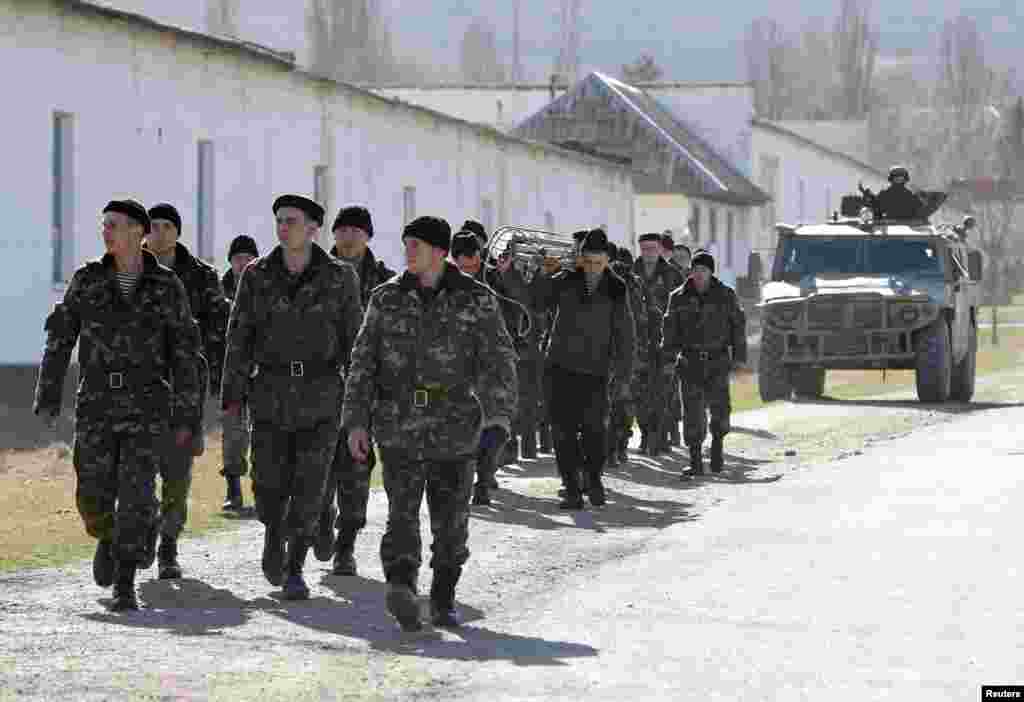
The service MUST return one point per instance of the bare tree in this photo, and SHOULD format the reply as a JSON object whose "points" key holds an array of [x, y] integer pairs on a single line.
{"points": [[767, 49], [479, 57], [642, 70], [812, 94], [222, 17], [855, 47], [567, 64], [350, 41]]}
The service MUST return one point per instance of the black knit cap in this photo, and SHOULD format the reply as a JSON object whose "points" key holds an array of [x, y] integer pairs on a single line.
{"points": [[650, 237], [130, 208], [703, 258], [433, 230], [465, 243], [243, 243], [625, 256], [579, 236], [595, 242], [613, 251], [166, 211], [667, 242], [471, 225], [354, 216], [312, 209]]}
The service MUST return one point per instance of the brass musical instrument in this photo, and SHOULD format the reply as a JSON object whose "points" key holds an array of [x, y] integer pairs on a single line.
{"points": [[529, 248]]}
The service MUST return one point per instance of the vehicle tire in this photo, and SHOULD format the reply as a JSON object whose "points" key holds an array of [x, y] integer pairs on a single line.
{"points": [[773, 379], [809, 382], [934, 363], [962, 385]]}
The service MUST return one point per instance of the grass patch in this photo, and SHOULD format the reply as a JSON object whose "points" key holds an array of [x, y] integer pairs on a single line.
{"points": [[39, 523]]}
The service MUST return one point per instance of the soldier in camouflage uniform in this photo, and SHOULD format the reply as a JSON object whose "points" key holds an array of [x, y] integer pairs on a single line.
{"points": [[658, 279], [237, 432], [675, 398], [623, 406], [432, 367], [210, 309], [350, 481], [705, 334], [139, 367], [295, 316]]}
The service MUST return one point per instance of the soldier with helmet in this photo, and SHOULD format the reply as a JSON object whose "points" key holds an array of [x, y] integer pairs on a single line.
{"points": [[897, 201]]}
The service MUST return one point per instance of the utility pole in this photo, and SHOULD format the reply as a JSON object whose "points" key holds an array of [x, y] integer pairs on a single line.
{"points": [[568, 63], [517, 74]]}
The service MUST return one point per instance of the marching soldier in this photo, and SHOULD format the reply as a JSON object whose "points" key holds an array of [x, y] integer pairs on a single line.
{"points": [[432, 366], [681, 260], [705, 333], [681, 256], [658, 280], [667, 246], [140, 364], [241, 253], [623, 406], [295, 316], [210, 309], [350, 481], [591, 340]]}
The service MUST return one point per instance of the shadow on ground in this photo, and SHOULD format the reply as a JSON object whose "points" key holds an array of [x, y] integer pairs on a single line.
{"points": [[946, 407]]}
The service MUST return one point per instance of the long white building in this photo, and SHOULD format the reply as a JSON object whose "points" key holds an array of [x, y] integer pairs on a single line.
{"points": [[107, 104]]}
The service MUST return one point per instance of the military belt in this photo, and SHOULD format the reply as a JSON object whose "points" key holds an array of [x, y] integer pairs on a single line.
{"points": [[299, 369], [427, 395], [121, 379], [706, 354]]}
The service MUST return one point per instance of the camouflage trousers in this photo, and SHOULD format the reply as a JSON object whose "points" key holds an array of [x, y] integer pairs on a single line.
{"points": [[448, 485], [653, 406], [289, 474], [705, 391], [529, 374], [237, 439], [175, 485], [349, 483], [116, 464], [620, 424]]}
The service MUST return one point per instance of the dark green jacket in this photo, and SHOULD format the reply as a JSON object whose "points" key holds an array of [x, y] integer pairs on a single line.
{"points": [[713, 322]]}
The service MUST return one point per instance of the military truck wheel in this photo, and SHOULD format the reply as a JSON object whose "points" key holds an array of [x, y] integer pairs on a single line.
{"points": [[962, 387], [809, 382], [772, 377], [934, 363]]}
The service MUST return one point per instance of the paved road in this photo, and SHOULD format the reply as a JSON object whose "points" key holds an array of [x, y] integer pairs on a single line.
{"points": [[895, 574]]}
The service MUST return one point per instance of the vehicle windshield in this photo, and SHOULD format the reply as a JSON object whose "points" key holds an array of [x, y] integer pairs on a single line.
{"points": [[857, 256]]}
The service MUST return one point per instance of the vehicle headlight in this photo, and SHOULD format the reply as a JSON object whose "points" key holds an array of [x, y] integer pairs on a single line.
{"points": [[909, 314]]}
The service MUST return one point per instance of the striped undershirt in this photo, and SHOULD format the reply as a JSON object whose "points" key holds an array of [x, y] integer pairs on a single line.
{"points": [[126, 282]]}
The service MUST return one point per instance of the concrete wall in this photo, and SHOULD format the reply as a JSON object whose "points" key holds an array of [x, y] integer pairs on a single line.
{"points": [[140, 100]]}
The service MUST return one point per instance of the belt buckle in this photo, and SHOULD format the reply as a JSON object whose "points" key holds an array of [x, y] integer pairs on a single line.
{"points": [[416, 398], [703, 355], [115, 380], [298, 369]]}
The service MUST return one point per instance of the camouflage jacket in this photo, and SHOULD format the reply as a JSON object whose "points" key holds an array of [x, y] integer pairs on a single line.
{"points": [[666, 278], [714, 322], [289, 339], [514, 286], [371, 274], [139, 358], [640, 317], [428, 375], [209, 306]]}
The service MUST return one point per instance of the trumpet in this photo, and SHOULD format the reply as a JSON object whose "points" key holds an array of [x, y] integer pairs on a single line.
{"points": [[530, 249]]}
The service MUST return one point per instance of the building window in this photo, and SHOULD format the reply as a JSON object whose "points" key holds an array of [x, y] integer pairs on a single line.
{"points": [[205, 201], [730, 234], [487, 215], [549, 221], [695, 224], [408, 204], [712, 225], [63, 204], [801, 197]]}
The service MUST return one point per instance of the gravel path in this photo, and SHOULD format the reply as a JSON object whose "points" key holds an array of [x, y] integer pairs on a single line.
{"points": [[224, 633]]}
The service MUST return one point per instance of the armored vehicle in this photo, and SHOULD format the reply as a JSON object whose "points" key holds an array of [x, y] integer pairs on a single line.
{"points": [[858, 292]]}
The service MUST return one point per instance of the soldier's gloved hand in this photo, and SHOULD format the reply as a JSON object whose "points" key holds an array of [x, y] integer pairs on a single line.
{"points": [[359, 444]]}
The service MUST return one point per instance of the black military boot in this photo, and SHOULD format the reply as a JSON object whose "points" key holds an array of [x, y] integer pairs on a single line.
{"points": [[167, 559], [675, 440], [481, 494], [323, 546], [595, 489], [442, 598], [644, 442], [295, 587], [573, 498], [273, 554], [124, 588], [233, 499], [103, 564], [402, 603], [696, 462], [545, 437], [146, 559], [530, 445], [717, 454], [344, 553]]}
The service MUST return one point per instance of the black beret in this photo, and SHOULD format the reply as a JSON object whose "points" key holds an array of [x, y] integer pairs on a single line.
{"points": [[243, 243], [596, 242], [168, 212], [472, 225], [579, 236], [312, 209], [433, 230], [354, 216], [465, 243], [130, 208], [703, 258], [650, 237], [613, 251]]}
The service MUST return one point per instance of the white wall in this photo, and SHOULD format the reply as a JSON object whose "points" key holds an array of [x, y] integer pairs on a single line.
{"points": [[141, 100]]}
